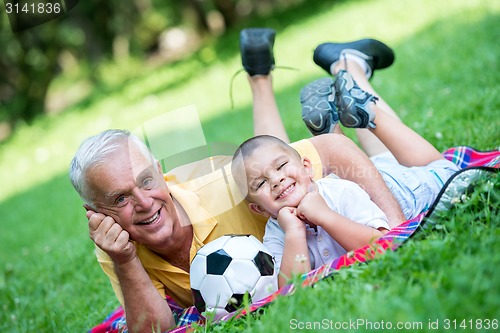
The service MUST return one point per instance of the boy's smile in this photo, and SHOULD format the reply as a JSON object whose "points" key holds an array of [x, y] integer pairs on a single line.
{"points": [[276, 178]]}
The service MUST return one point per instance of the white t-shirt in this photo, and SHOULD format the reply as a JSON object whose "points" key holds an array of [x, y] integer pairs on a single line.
{"points": [[344, 197]]}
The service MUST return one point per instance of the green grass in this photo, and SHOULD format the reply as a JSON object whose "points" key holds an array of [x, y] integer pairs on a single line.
{"points": [[444, 84], [448, 271]]}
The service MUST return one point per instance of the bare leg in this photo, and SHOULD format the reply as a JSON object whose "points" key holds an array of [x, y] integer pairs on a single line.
{"points": [[341, 156], [409, 148], [266, 116], [338, 130]]}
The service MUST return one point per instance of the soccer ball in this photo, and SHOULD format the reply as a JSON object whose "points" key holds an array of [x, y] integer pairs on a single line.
{"points": [[226, 269]]}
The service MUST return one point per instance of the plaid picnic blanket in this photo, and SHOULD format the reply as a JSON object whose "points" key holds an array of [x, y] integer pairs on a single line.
{"points": [[467, 159]]}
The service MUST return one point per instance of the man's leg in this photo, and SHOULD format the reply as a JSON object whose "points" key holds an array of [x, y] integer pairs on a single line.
{"points": [[257, 57], [341, 156], [266, 117]]}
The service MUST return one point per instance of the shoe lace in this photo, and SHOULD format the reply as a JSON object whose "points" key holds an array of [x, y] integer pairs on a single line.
{"points": [[231, 98]]}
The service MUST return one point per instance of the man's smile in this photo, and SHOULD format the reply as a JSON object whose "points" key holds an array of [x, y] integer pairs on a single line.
{"points": [[151, 220]]}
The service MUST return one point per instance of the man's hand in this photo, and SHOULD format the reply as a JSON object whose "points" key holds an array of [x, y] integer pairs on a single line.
{"points": [[110, 237]]}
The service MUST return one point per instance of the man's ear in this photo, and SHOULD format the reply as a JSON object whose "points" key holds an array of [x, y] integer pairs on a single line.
{"points": [[308, 167], [158, 165], [257, 209], [89, 210], [87, 207]]}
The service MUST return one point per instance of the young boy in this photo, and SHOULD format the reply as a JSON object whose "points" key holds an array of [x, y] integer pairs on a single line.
{"points": [[313, 221], [310, 223]]}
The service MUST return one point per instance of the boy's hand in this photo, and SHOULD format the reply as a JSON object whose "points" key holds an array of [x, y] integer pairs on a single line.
{"points": [[313, 207], [110, 237], [289, 222]]}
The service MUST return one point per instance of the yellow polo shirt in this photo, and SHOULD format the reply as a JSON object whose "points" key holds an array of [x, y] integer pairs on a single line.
{"points": [[208, 194]]}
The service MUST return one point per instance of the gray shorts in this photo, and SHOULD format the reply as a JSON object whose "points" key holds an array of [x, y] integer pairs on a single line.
{"points": [[415, 188]]}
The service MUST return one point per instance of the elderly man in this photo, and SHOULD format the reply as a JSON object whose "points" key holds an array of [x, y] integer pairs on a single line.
{"points": [[147, 232]]}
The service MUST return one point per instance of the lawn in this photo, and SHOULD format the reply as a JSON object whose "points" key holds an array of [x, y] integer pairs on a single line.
{"points": [[444, 84]]}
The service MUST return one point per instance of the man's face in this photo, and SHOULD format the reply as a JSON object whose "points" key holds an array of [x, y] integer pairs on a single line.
{"points": [[129, 187], [276, 179]]}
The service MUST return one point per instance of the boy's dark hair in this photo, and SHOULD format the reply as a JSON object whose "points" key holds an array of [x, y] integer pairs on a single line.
{"points": [[246, 149], [249, 145]]}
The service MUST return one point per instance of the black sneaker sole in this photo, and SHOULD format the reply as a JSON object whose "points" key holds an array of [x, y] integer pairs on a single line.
{"points": [[318, 109], [256, 48], [353, 103]]}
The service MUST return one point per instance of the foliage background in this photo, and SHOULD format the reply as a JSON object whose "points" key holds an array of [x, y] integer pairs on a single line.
{"points": [[95, 31]]}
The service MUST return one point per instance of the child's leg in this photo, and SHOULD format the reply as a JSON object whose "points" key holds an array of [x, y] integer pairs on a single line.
{"points": [[266, 117], [409, 148], [369, 141], [359, 75]]}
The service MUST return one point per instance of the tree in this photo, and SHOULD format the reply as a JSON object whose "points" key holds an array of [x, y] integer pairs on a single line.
{"points": [[30, 58]]}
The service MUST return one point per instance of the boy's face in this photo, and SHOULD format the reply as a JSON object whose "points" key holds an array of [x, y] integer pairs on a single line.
{"points": [[276, 178]]}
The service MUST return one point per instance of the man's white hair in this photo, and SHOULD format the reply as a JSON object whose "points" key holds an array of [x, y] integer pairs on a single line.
{"points": [[95, 150]]}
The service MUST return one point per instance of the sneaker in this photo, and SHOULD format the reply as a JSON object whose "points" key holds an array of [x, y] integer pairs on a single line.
{"points": [[376, 54], [256, 47], [353, 103], [318, 108]]}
